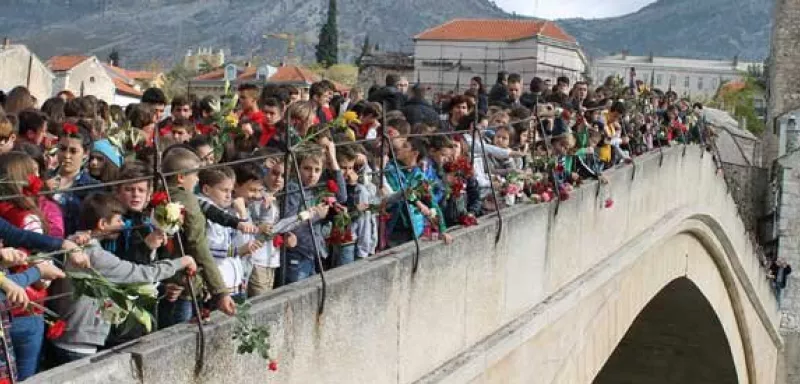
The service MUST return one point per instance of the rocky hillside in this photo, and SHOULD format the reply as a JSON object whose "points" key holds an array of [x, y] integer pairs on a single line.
{"points": [[693, 28], [164, 29]]}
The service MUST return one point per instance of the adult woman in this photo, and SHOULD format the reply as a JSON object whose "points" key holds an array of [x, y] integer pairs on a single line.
{"points": [[18, 99], [73, 152], [476, 85]]}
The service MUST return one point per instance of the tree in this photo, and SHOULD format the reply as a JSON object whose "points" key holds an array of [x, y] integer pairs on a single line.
{"points": [[739, 98], [176, 80], [205, 67], [365, 51], [328, 46]]}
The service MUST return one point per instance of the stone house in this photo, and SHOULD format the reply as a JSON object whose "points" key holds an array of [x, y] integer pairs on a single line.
{"points": [[129, 84], [448, 55], [21, 67], [82, 75]]}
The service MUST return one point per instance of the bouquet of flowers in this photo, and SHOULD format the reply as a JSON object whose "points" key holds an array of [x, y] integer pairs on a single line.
{"points": [[116, 302], [458, 172], [513, 187], [342, 125], [340, 232], [167, 216], [226, 119]]}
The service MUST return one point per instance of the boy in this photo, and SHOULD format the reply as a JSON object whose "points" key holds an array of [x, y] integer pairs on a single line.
{"points": [[177, 308], [248, 99], [102, 214], [302, 258], [182, 130], [358, 199], [263, 210]]}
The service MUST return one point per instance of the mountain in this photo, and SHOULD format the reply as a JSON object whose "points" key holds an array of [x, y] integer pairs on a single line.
{"points": [[163, 30], [719, 29], [144, 30]]}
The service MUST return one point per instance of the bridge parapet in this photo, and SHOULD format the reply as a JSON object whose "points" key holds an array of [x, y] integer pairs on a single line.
{"points": [[473, 303]]}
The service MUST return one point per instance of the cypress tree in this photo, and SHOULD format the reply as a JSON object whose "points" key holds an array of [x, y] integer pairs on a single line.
{"points": [[328, 47]]}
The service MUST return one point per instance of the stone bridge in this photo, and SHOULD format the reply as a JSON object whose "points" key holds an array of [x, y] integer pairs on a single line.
{"points": [[663, 287]]}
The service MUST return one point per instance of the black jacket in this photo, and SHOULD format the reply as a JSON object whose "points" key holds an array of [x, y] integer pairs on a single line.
{"points": [[390, 97], [420, 111], [498, 95]]}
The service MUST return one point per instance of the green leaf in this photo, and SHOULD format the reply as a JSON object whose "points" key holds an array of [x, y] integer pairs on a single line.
{"points": [[143, 317]]}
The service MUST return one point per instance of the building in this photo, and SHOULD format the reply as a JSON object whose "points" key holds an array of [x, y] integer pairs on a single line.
{"points": [[213, 83], [204, 57], [376, 65], [698, 79], [21, 67], [447, 56], [129, 84], [82, 75]]}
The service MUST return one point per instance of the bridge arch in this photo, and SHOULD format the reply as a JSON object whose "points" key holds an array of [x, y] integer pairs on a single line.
{"points": [[677, 338]]}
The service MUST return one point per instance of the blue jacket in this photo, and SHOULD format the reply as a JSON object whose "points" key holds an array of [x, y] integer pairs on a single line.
{"points": [[399, 179], [70, 202], [294, 205], [19, 238]]}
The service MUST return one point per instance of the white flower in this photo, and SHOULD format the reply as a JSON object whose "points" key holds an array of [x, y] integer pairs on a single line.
{"points": [[173, 212]]}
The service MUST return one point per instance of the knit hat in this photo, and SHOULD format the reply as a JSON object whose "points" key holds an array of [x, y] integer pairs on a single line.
{"points": [[111, 152]]}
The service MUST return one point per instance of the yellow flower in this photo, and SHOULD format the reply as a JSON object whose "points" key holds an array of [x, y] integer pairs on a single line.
{"points": [[232, 120], [350, 134], [350, 117]]}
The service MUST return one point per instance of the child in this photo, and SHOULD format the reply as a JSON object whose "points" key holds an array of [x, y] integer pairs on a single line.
{"points": [[183, 130], [217, 188], [357, 204], [85, 331], [105, 160], [405, 173], [263, 210], [302, 258], [176, 308], [502, 139]]}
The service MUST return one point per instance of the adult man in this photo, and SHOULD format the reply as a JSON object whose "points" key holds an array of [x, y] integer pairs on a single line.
{"points": [[579, 96], [499, 92], [514, 90], [180, 108], [419, 110], [389, 96], [402, 85]]}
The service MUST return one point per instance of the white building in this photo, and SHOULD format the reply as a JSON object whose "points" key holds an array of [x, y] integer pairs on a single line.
{"points": [[21, 67], [82, 75], [687, 77], [449, 55]]}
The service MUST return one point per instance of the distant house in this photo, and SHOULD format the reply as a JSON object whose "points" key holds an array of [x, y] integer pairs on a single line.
{"points": [[21, 67], [82, 75], [448, 55], [128, 89], [213, 83], [376, 65]]}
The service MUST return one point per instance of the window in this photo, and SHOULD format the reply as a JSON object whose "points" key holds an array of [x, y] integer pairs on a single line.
{"points": [[714, 84], [673, 80], [687, 82], [231, 72], [658, 79], [91, 80], [600, 75], [699, 83]]}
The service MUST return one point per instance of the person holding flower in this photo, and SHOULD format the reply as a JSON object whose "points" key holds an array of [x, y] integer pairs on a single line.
{"points": [[20, 178], [86, 330]]}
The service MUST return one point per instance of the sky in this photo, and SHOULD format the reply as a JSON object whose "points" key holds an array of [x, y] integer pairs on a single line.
{"points": [[558, 9]]}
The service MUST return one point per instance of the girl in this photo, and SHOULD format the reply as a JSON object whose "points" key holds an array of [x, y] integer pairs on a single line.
{"points": [[19, 173], [73, 152], [216, 187], [105, 161]]}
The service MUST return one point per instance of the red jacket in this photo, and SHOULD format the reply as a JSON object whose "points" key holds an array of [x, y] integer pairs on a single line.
{"points": [[16, 217]]}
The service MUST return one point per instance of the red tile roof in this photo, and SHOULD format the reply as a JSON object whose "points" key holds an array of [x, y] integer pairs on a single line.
{"points": [[494, 30], [131, 74], [294, 73], [65, 63], [125, 89]]}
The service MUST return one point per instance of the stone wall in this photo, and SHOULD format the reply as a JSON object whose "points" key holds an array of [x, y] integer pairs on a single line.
{"points": [[749, 187], [383, 324], [784, 76]]}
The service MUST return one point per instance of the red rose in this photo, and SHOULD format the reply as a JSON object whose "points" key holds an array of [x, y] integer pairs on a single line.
{"points": [[332, 186], [609, 203], [33, 187], [560, 168], [159, 198], [70, 129], [56, 329], [563, 196], [273, 365], [277, 241]]}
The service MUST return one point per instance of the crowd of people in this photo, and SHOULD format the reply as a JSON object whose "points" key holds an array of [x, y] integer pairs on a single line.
{"points": [[298, 187]]}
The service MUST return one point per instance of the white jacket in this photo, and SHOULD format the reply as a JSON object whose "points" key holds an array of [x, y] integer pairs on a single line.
{"points": [[223, 243]]}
